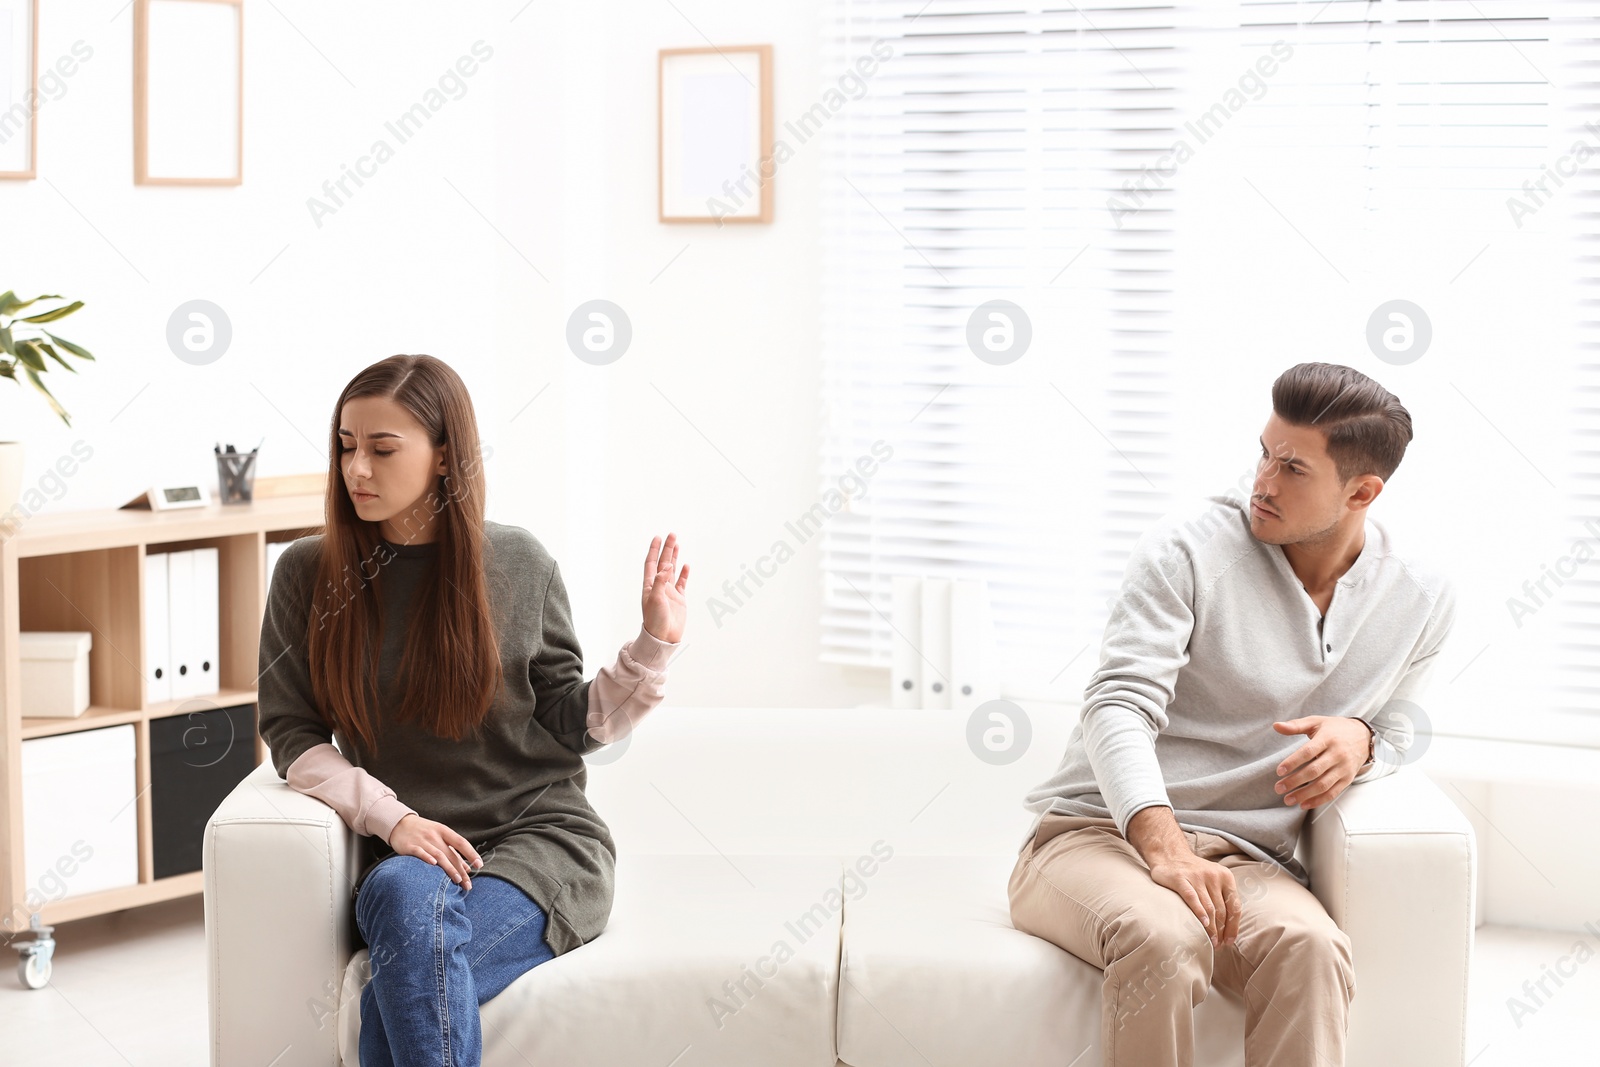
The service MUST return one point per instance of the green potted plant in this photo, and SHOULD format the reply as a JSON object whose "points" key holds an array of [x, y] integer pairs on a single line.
{"points": [[26, 347]]}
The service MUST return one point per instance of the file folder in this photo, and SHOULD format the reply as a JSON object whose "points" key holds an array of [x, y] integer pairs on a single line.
{"points": [[936, 643], [180, 621], [973, 654], [157, 641], [207, 622], [193, 622], [905, 664]]}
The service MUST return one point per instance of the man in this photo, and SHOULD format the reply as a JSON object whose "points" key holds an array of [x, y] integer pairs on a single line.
{"points": [[1242, 676]]}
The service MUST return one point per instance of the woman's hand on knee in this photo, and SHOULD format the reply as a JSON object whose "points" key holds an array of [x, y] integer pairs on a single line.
{"points": [[437, 844]]}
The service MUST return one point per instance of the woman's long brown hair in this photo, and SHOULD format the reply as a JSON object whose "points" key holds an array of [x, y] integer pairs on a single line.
{"points": [[451, 671]]}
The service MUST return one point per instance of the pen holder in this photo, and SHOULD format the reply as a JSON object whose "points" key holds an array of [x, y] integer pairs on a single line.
{"points": [[236, 477]]}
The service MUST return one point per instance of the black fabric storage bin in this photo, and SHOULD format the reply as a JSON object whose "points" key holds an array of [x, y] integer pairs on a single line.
{"points": [[195, 761]]}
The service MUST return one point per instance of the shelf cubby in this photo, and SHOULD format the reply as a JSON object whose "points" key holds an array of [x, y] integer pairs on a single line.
{"points": [[84, 570]]}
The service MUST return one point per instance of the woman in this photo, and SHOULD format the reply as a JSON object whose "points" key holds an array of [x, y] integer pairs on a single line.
{"points": [[474, 709]]}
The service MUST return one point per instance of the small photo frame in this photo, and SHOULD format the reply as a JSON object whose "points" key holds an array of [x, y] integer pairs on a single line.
{"points": [[188, 92], [714, 134], [19, 88]]}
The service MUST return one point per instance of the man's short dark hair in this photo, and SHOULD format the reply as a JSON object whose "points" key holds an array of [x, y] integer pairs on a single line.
{"points": [[1366, 427]]}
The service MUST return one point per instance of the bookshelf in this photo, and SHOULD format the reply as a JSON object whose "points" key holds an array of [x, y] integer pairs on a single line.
{"points": [[84, 570]]}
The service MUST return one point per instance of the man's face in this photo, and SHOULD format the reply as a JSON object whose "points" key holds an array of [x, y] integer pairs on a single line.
{"points": [[1297, 495]]}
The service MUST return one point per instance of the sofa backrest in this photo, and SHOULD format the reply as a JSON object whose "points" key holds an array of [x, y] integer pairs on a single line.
{"points": [[823, 781]]}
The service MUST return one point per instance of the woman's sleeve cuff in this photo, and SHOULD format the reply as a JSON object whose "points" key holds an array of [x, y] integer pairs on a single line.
{"points": [[384, 815], [650, 652]]}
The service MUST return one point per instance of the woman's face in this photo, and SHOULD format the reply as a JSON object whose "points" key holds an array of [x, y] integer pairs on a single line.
{"points": [[389, 467]]}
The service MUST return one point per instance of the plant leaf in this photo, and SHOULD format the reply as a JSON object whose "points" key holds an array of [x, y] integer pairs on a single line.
{"points": [[54, 404], [28, 352], [5, 341], [53, 354], [9, 302], [80, 352], [56, 313]]}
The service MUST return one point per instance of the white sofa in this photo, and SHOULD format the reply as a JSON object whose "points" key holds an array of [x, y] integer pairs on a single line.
{"points": [[735, 830]]}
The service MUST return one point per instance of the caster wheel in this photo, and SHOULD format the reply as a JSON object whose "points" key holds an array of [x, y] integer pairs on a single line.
{"points": [[34, 971], [33, 964]]}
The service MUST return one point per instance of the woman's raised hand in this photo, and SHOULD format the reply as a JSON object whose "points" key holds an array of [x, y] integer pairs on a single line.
{"points": [[663, 603], [437, 844]]}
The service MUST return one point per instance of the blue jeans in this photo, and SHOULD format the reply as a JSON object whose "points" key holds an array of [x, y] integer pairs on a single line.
{"points": [[438, 952]]}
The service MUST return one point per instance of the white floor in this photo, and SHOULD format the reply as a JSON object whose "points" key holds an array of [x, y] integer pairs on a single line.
{"points": [[130, 989]]}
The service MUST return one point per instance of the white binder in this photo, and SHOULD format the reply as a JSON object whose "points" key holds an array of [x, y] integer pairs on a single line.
{"points": [[905, 665], [973, 654], [180, 621], [157, 642], [193, 622], [936, 643], [206, 666]]}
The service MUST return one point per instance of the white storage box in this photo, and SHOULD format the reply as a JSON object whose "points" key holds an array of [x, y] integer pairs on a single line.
{"points": [[80, 824], [55, 673]]}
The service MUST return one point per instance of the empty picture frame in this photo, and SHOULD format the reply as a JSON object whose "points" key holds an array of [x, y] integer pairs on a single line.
{"points": [[188, 92], [19, 87], [714, 134]]}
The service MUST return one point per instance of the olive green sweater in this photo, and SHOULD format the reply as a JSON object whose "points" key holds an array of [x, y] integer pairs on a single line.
{"points": [[516, 791]]}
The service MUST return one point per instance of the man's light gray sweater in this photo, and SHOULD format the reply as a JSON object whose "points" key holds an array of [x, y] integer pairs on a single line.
{"points": [[1211, 641]]}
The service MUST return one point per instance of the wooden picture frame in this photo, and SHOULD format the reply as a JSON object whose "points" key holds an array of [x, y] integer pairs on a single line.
{"points": [[188, 92], [19, 89], [714, 134]]}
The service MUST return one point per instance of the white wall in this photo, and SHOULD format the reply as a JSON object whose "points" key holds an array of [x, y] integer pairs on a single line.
{"points": [[545, 165]]}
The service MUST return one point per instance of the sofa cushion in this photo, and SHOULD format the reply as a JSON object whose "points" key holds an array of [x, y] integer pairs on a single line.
{"points": [[933, 972], [661, 984]]}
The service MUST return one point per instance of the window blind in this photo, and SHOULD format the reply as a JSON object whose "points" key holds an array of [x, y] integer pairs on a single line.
{"points": [[1335, 155], [977, 168], [1572, 162]]}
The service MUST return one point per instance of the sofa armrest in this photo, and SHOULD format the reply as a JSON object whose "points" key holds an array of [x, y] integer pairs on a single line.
{"points": [[1394, 862], [279, 866]]}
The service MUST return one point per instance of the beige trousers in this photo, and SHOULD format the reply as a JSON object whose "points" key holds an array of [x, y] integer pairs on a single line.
{"points": [[1080, 885]]}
